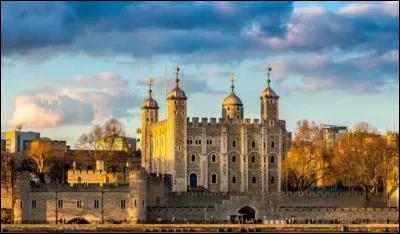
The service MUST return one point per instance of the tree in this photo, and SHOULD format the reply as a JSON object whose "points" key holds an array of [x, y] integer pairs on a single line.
{"points": [[391, 164], [42, 156], [306, 163], [360, 156], [101, 141]]}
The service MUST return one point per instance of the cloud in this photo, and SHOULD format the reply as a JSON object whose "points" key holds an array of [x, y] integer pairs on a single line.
{"points": [[193, 32], [364, 73], [216, 74], [107, 96]]}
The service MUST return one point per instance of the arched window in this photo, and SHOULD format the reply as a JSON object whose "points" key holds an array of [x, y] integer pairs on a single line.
{"points": [[253, 144], [253, 159], [237, 116], [233, 179], [254, 180], [234, 144], [272, 159], [244, 159], [190, 141], [213, 158], [214, 178], [193, 158], [210, 142], [272, 180], [272, 144], [234, 158], [199, 142], [237, 108]]}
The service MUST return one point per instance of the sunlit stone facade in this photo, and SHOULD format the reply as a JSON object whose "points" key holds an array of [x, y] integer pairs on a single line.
{"points": [[229, 154]]}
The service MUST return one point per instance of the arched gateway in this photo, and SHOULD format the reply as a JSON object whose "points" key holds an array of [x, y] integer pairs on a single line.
{"points": [[78, 220], [247, 213]]}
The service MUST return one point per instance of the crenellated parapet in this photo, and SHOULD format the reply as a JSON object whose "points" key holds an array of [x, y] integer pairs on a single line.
{"points": [[94, 177], [197, 121]]}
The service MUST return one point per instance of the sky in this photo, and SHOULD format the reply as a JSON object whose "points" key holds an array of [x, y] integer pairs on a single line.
{"points": [[68, 65]]}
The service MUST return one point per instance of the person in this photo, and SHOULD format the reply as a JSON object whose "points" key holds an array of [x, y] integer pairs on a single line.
{"points": [[173, 219]]}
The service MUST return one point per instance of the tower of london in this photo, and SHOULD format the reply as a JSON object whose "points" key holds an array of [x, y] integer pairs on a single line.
{"points": [[228, 154]]}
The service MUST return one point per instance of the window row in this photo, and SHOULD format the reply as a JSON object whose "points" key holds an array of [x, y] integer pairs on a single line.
{"points": [[253, 144], [198, 142], [96, 204], [253, 159], [213, 158], [237, 108], [254, 180]]}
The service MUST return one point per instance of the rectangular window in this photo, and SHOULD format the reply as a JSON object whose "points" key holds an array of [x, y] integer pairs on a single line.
{"points": [[60, 204], [33, 204], [79, 204], [135, 203], [96, 204], [123, 204], [20, 204]]}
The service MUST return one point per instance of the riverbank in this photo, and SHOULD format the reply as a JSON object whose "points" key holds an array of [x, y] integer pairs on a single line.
{"points": [[200, 228]]}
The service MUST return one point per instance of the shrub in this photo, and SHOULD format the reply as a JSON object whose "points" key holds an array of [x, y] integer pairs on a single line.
{"points": [[243, 230]]}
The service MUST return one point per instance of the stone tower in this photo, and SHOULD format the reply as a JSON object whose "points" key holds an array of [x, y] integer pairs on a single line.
{"points": [[176, 162], [149, 116], [269, 101], [137, 210], [232, 107]]}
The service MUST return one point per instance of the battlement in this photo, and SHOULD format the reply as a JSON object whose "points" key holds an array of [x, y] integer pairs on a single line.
{"points": [[43, 187], [205, 120], [91, 172]]}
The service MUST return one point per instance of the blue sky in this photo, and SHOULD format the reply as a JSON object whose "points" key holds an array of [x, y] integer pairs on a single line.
{"points": [[68, 65]]}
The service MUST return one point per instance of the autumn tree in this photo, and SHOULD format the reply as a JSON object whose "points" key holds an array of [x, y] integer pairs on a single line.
{"points": [[42, 155], [306, 163], [102, 141], [363, 159]]}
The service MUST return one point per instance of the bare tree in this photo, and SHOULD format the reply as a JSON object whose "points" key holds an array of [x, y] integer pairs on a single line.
{"points": [[306, 161], [359, 159], [102, 141]]}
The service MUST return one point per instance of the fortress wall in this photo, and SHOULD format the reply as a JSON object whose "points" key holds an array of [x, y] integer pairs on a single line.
{"points": [[346, 215]]}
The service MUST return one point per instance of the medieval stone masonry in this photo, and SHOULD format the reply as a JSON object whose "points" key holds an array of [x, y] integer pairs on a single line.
{"points": [[231, 154]]}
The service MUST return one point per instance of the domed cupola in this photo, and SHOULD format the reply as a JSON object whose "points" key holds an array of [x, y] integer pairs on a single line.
{"points": [[269, 101], [177, 93], [150, 103], [232, 107], [268, 91]]}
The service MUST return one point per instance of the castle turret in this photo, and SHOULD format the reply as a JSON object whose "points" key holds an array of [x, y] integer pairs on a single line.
{"points": [[137, 195], [175, 161], [232, 107], [269, 101], [149, 116]]}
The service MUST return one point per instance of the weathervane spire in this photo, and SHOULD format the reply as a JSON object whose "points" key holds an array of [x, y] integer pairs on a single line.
{"points": [[150, 81], [268, 70], [233, 76], [177, 75]]}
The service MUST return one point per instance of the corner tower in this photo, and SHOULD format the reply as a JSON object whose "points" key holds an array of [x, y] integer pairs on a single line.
{"points": [[269, 101], [149, 116], [176, 161], [232, 107]]}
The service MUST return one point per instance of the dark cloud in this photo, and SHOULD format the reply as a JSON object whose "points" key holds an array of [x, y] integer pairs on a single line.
{"points": [[194, 32]]}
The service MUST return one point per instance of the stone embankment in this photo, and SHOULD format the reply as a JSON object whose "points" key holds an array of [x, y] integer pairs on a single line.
{"points": [[201, 228]]}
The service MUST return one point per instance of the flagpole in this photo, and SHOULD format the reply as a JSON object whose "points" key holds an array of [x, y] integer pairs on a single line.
{"points": [[165, 90]]}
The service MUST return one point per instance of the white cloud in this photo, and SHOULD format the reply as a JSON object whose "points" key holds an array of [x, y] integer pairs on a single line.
{"points": [[48, 108]]}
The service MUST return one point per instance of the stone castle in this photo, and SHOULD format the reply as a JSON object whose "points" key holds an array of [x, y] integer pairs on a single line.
{"points": [[189, 169], [232, 154]]}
